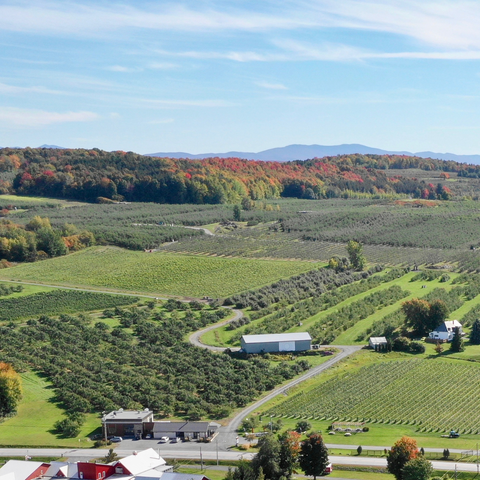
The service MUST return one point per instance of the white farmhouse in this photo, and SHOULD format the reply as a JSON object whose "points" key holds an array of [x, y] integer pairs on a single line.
{"points": [[445, 331]]}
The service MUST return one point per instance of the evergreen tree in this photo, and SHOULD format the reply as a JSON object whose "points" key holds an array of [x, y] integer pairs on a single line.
{"points": [[268, 458], [475, 333], [313, 457], [457, 342], [355, 253], [237, 213]]}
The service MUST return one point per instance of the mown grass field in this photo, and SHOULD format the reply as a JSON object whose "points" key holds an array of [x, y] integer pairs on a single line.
{"points": [[157, 273], [37, 414]]}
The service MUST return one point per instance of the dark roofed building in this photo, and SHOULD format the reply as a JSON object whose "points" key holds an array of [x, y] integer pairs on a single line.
{"points": [[185, 430]]}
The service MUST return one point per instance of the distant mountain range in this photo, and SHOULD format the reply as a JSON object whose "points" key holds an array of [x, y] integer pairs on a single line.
{"points": [[304, 152]]}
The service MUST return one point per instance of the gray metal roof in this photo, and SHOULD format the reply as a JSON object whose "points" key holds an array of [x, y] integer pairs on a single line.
{"points": [[159, 427], [276, 337], [127, 415]]}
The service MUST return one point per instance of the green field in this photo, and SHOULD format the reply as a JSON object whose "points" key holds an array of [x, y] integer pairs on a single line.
{"points": [[37, 413], [157, 273]]}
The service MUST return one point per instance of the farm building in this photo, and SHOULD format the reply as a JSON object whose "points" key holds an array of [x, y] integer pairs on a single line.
{"points": [[185, 430], [23, 470], [143, 465], [378, 343], [128, 423], [274, 343], [445, 331]]}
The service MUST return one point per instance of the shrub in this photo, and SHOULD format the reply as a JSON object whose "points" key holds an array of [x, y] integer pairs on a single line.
{"points": [[417, 347], [401, 344]]}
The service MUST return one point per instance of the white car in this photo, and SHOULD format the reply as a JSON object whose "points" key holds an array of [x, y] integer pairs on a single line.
{"points": [[164, 440]]}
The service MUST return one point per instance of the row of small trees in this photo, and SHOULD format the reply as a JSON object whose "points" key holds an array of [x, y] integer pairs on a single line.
{"points": [[279, 456]]}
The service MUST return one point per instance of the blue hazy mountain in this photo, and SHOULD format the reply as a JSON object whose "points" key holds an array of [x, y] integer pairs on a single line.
{"points": [[304, 152]]}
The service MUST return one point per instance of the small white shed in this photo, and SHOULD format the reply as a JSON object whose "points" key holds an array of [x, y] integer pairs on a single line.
{"points": [[377, 343]]}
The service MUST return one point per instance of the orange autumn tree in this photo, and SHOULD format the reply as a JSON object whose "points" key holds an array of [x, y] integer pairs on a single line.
{"points": [[402, 452], [10, 389]]}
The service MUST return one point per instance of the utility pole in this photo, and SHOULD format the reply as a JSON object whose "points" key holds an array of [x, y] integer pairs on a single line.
{"points": [[201, 460], [217, 452]]}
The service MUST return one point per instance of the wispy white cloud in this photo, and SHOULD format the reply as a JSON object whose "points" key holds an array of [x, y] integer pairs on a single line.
{"points": [[272, 86], [448, 24], [73, 18], [121, 69], [39, 118], [186, 103], [14, 89], [162, 66], [162, 121], [232, 55]]}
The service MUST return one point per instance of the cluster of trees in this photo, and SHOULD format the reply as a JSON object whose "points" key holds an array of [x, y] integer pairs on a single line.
{"points": [[279, 456], [90, 174], [9, 289], [423, 316], [37, 240], [356, 259], [10, 389], [406, 462], [148, 364]]}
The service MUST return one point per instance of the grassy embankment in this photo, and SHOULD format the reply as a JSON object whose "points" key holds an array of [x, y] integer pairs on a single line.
{"points": [[37, 413]]}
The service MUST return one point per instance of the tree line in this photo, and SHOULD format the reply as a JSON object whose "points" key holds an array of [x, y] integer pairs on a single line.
{"points": [[92, 174]]}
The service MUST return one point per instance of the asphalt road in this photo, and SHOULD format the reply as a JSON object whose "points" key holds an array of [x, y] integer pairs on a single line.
{"points": [[179, 454]]}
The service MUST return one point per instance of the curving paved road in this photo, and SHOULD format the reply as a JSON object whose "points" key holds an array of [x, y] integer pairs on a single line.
{"points": [[229, 432], [195, 337]]}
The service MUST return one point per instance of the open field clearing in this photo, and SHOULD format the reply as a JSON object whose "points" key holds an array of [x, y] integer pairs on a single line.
{"points": [[37, 413], [23, 202], [114, 268]]}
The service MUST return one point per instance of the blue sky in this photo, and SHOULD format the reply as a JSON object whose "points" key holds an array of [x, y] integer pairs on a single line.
{"points": [[212, 76]]}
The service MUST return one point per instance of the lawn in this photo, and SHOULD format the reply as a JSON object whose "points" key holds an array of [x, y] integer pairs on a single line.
{"points": [[37, 414], [156, 273]]}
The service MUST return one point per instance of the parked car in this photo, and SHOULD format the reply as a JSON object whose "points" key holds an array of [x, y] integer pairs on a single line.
{"points": [[328, 469], [176, 440], [116, 439], [348, 434], [164, 440], [148, 436]]}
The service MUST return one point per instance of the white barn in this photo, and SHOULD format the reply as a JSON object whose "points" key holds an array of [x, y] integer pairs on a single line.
{"points": [[277, 342], [445, 331]]}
